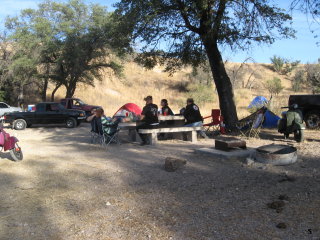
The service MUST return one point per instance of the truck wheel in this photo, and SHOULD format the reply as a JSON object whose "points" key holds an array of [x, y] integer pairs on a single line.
{"points": [[71, 123], [298, 135], [312, 119], [19, 124]]}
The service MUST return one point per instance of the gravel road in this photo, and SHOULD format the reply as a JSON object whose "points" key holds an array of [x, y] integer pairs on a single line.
{"points": [[66, 188]]}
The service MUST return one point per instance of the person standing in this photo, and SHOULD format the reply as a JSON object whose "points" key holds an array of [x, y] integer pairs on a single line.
{"points": [[149, 118], [193, 116]]}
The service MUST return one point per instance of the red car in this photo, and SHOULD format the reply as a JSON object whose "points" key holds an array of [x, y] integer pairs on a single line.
{"points": [[76, 103]]}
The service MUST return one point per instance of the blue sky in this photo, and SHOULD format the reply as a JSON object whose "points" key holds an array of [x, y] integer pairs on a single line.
{"points": [[302, 48]]}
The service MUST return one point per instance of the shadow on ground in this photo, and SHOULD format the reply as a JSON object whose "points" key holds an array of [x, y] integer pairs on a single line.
{"points": [[67, 188]]}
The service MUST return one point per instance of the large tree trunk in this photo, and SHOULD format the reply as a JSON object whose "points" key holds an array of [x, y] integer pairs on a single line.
{"points": [[45, 84], [222, 82], [54, 91], [71, 88], [44, 90], [21, 96]]}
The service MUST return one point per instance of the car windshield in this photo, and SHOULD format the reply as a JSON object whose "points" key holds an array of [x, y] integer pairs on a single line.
{"points": [[79, 102], [3, 105]]}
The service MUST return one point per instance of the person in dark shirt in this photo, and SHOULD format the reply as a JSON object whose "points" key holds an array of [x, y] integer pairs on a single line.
{"points": [[149, 118], [193, 116], [165, 110]]}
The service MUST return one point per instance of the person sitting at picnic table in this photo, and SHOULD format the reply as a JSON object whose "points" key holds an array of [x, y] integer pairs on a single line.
{"points": [[193, 116], [165, 110], [149, 118]]}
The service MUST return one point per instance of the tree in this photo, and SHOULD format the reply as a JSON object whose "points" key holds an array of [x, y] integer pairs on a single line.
{"points": [[179, 32], [298, 80], [310, 8], [277, 63], [313, 77], [7, 85], [274, 86], [283, 66], [69, 43]]}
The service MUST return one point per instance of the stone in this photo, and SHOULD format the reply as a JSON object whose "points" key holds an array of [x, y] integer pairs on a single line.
{"points": [[276, 205], [287, 178], [229, 143], [283, 197], [281, 225], [172, 164], [249, 161]]}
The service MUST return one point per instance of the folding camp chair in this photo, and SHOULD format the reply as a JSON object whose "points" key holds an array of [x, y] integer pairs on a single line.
{"points": [[215, 120], [251, 126], [96, 132], [111, 133]]}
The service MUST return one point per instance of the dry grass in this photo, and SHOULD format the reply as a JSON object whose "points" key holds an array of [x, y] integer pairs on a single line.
{"points": [[113, 92]]}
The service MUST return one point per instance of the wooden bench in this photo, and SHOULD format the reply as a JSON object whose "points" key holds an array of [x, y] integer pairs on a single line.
{"points": [[153, 133]]}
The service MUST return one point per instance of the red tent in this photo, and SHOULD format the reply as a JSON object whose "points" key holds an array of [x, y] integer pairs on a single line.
{"points": [[125, 109]]}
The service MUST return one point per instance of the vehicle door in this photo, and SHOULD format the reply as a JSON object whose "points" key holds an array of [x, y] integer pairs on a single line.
{"points": [[3, 108], [58, 113], [54, 114], [64, 102], [40, 114]]}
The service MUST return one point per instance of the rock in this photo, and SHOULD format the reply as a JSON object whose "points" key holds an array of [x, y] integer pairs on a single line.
{"points": [[283, 197], [287, 178], [172, 164], [249, 161], [278, 205], [281, 225]]}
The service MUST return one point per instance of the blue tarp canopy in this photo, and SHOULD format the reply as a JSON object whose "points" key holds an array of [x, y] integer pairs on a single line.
{"points": [[258, 102], [270, 120]]}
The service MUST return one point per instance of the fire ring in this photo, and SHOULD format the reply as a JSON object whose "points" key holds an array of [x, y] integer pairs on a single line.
{"points": [[276, 154]]}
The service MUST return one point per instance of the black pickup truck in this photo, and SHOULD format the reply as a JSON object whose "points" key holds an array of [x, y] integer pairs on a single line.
{"points": [[45, 113], [310, 107]]}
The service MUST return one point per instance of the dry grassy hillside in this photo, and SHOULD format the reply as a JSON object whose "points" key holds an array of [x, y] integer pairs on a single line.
{"points": [[112, 92]]}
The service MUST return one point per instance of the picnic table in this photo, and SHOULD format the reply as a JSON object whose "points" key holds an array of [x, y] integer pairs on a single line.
{"points": [[172, 118], [168, 122], [131, 127]]}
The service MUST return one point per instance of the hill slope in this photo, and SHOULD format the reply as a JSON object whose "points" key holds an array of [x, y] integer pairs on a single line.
{"points": [[113, 92]]}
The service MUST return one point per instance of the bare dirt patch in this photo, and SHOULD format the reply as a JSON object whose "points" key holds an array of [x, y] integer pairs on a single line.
{"points": [[66, 188]]}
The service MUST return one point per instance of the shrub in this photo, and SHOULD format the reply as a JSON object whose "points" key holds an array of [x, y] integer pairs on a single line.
{"points": [[278, 63], [282, 65], [297, 81], [274, 86], [313, 77], [202, 93], [2, 96]]}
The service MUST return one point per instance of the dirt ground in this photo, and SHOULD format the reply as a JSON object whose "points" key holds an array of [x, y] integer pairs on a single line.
{"points": [[66, 188]]}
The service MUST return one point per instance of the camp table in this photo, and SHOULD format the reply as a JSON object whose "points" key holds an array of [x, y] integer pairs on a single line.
{"points": [[171, 121], [131, 127]]}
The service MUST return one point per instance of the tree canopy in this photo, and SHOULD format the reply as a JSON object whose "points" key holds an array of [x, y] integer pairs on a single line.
{"points": [[178, 32], [66, 44]]}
